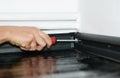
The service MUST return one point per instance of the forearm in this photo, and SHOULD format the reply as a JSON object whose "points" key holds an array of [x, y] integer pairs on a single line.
{"points": [[3, 35]]}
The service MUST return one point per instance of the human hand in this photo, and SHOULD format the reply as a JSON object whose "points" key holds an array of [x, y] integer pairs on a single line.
{"points": [[28, 38]]}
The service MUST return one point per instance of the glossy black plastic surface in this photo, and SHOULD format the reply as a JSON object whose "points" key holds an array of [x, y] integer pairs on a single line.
{"points": [[58, 64]]}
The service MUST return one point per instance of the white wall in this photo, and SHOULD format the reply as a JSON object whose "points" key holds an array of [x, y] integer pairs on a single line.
{"points": [[59, 15], [100, 17], [96, 16], [38, 6]]}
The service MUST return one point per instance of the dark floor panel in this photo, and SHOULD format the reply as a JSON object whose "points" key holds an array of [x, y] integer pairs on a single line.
{"points": [[59, 64]]}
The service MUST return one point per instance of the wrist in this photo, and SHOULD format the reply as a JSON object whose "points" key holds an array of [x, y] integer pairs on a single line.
{"points": [[6, 36], [3, 36]]}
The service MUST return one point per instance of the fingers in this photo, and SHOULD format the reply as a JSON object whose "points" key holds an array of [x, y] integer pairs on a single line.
{"points": [[32, 46], [41, 37], [40, 41], [46, 38], [35, 46], [30, 38]]}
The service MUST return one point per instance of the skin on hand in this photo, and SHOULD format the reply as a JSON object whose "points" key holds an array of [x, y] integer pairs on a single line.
{"points": [[27, 38]]}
